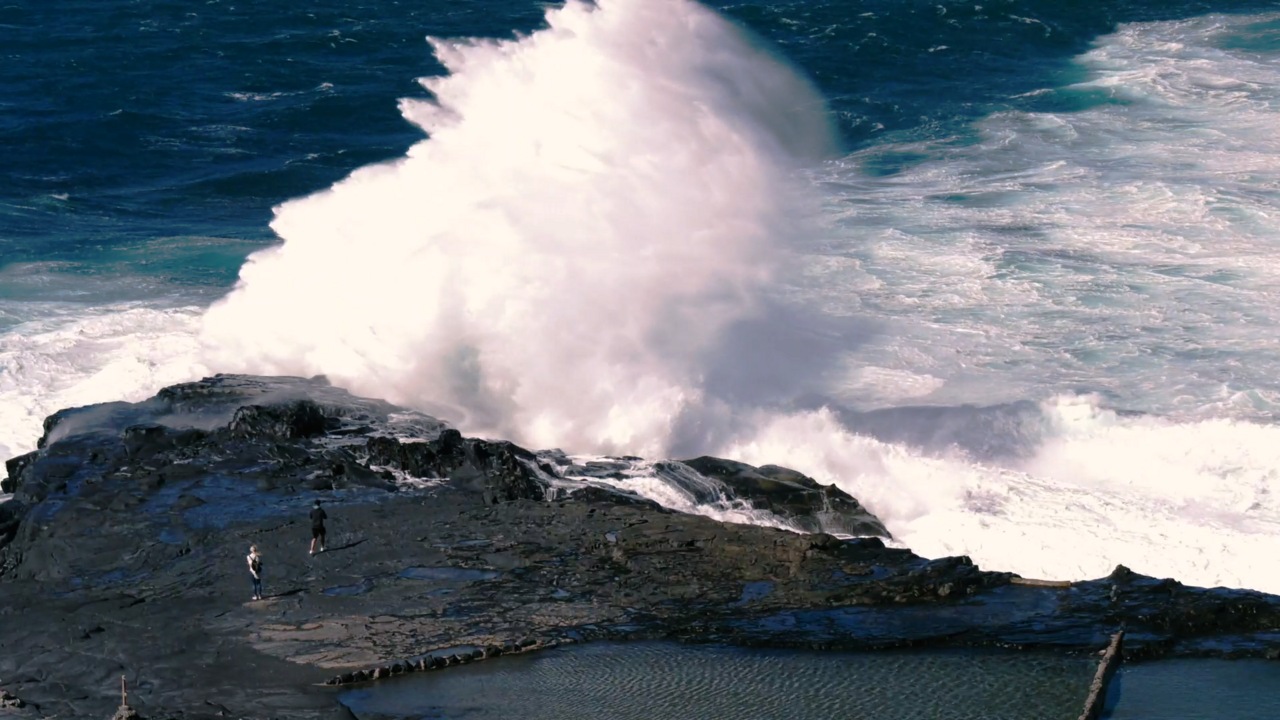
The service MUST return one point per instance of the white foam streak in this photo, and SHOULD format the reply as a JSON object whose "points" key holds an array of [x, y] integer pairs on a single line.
{"points": [[118, 352], [640, 478]]}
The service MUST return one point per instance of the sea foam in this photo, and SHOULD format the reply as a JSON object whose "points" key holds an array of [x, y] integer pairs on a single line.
{"points": [[1196, 501], [68, 356]]}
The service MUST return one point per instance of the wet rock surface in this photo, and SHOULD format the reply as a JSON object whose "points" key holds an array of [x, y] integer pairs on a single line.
{"points": [[806, 503], [123, 553]]}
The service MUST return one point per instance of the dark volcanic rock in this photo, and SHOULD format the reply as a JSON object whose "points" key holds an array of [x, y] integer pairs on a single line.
{"points": [[10, 514], [610, 496], [508, 471], [14, 468], [501, 471], [197, 457], [123, 553], [286, 421], [797, 498]]}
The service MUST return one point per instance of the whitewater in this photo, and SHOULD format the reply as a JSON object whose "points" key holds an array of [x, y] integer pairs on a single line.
{"points": [[1051, 349]]}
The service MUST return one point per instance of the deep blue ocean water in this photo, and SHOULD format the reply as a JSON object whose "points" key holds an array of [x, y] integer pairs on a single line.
{"points": [[127, 124], [1034, 286]]}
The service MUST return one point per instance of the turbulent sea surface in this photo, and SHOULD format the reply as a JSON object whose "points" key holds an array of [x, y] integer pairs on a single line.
{"points": [[1008, 272]]}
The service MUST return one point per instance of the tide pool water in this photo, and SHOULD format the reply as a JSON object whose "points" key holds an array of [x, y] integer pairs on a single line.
{"points": [[666, 680], [682, 682], [1195, 689], [1006, 272]]}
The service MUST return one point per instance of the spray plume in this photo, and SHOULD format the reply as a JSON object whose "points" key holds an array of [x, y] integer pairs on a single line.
{"points": [[596, 204]]}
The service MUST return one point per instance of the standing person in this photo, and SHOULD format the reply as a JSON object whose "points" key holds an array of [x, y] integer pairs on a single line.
{"points": [[317, 527], [255, 570]]}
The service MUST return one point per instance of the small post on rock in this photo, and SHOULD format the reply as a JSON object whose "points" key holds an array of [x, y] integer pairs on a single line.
{"points": [[124, 712]]}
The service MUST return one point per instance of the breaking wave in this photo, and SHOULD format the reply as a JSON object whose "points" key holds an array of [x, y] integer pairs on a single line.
{"points": [[597, 206]]}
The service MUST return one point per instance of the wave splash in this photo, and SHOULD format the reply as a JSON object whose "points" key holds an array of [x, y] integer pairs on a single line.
{"points": [[70, 358], [1198, 501], [596, 206]]}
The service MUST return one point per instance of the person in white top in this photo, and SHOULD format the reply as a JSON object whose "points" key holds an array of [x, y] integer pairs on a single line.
{"points": [[255, 570]]}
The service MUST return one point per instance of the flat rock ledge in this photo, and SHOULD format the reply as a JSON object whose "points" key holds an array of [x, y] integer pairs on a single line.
{"points": [[122, 553]]}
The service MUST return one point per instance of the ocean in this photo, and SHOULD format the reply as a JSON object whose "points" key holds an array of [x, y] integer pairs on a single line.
{"points": [[1008, 272]]}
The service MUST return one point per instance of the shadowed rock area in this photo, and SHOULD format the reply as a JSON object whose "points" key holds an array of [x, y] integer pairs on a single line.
{"points": [[123, 553]]}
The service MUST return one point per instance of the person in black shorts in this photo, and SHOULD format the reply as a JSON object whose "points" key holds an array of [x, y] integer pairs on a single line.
{"points": [[317, 527]]}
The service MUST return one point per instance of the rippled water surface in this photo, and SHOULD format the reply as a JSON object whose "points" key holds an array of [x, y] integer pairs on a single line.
{"points": [[1196, 690], [663, 681]]}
